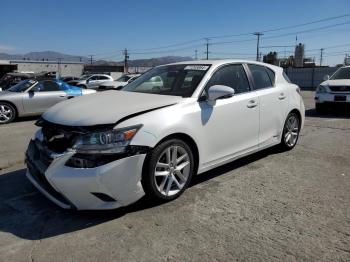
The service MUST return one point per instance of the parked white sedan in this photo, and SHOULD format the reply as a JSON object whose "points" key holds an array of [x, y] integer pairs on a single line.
{"points": [[152, 139], [118, 83], [335, 90]]}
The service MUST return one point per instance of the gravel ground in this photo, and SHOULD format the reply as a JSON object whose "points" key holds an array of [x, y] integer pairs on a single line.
{"points": [[270, 206]]}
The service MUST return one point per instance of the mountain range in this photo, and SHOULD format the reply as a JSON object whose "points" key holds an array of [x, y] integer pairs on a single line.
{"points": [[54, 56]]}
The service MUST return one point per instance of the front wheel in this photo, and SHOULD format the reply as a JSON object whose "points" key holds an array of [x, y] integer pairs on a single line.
{"points": [[290, 132], [168, 171], [7, 113]]}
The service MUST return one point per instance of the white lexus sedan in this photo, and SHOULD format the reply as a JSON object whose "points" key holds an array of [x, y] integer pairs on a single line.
{"points": [[109, 149], [334, 91]]}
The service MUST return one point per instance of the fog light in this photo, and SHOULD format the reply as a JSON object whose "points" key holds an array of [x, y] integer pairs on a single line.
{"points": [[80, 163]]}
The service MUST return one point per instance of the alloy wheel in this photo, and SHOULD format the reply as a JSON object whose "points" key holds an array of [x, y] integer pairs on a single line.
{"points": [[291, 132], [6, 113], [172, 170]]}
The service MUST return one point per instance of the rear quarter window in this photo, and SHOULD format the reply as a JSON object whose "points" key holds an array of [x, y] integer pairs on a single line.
{"points": [[286, 77]]}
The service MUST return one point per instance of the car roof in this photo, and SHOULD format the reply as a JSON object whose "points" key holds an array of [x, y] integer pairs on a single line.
{"points": [[225, 61]]}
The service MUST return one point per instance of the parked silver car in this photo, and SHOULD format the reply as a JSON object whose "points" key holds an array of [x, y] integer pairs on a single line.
{"points": [[32, 97]]}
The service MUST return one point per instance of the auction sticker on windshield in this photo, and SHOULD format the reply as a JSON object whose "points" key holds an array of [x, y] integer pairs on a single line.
{"points": [[196, 67]]}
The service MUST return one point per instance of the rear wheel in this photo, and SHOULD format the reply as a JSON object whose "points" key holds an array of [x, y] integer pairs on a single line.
{"points": [[7, 113], [168, 171], [291, 131]]}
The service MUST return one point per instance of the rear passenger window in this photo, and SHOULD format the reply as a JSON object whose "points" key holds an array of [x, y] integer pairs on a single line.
{"points": [[271, 75], [233, 76], [260, 76]]}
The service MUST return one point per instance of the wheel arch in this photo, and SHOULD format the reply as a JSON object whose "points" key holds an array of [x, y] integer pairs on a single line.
{"points": [[187, 139], [296, 111]]}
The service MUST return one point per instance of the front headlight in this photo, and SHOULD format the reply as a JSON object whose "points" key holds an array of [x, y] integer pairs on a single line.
{"points": [[321, 89], [106, 142]]}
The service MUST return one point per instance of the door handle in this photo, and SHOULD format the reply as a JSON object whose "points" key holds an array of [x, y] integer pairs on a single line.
{"points": [[252, 104], [281, 96]]}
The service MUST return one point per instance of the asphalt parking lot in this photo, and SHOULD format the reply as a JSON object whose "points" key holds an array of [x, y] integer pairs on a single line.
{"points": [[270, 206]]}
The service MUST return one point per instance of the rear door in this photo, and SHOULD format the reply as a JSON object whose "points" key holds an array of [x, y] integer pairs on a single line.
{"points": [[273, 104], [42, 96]]}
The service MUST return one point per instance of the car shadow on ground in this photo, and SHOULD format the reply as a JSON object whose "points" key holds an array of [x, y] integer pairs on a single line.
{"points": [[27, 214], [343, 113], [25, 119]]}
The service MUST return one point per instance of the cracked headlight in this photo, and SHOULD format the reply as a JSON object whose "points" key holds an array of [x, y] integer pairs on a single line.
{"points": [[106, 142]]}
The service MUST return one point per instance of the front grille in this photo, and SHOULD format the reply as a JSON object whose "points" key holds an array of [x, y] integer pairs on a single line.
{"points": [[57, 140], [37, 153], [340, 88], [38, 161]]}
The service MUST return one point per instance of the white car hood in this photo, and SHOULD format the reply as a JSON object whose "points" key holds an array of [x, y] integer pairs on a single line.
{"points": [[339, 82], [105, 107]]}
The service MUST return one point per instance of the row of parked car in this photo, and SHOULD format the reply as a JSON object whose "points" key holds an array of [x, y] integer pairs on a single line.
{"points": [[28, 94]]}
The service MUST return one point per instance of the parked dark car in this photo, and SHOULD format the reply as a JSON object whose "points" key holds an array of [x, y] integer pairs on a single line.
{"points": [[69, 78], [11, 79]]}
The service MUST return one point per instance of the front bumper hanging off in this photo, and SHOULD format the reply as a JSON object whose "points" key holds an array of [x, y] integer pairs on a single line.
{"points": [[109, 186]]}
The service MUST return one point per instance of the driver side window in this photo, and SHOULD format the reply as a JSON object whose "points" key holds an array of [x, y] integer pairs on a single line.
{"points": [[233, 76], [46, 86]]}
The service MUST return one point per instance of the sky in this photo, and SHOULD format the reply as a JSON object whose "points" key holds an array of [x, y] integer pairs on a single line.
{"points": [[154, 28]]}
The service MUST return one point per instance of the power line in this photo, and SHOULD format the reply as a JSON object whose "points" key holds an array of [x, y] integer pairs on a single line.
{"points": [[285, 27], [307, 31]]}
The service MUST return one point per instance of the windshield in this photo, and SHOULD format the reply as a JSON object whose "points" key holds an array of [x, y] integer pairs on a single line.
{"points": [[22, 86], [123, 78], [174, 80], [342, 73], [84, 77]]}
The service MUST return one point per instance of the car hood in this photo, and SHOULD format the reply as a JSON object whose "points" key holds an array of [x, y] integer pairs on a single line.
{"points": [[338, 82], [105, 108]]}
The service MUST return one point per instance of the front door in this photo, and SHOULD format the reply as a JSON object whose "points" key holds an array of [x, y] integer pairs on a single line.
{"points": [[42, 96], [231, 125]]}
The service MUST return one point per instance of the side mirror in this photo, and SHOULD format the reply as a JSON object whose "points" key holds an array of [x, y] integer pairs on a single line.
{"points": [[219, 91], [31, 93], [326, 77]]}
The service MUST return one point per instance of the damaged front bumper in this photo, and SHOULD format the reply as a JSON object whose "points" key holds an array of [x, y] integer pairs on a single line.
{"points": [[109, 186]]}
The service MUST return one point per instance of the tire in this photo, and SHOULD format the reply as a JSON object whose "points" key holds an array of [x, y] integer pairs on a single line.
{"points": [[161, 179], [291, 131], [320, 108], [7, 113]]}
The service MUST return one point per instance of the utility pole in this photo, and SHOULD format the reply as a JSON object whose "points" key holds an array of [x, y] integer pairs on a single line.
{"points": [[207, 45], [58, 66], [126, 57], [321, 56], [258, 34], [91, 56], [195, 54]]}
